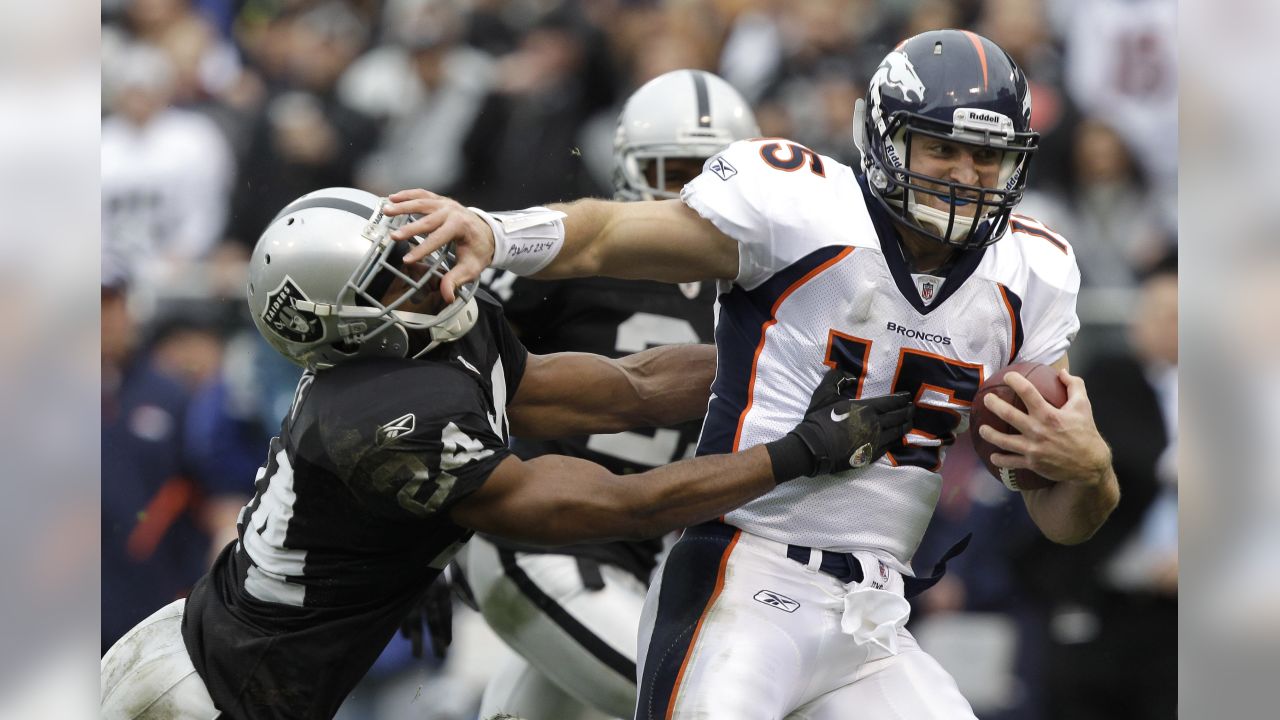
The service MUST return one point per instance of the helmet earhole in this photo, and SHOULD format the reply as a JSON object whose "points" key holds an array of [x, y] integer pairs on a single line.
{"points": [[267, 258]]}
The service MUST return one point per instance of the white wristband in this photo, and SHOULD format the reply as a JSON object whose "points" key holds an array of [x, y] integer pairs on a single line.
{"points": [[524, 241]]}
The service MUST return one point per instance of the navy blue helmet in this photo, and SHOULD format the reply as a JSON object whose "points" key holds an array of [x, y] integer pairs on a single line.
{"points": [[957, 86]]}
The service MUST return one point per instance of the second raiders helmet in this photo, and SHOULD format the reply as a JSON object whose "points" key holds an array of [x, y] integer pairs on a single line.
{"points": [[320, 282], [680, 114]]}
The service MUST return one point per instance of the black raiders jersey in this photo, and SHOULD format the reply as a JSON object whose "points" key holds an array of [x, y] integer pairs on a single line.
{"points": [[612, 318], [350, 522]]}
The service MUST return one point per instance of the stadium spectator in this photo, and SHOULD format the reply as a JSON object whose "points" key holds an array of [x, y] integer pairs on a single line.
{"points": [[427, 88], [166, 172], [1112, 210], [305, 137], [154, 539]]}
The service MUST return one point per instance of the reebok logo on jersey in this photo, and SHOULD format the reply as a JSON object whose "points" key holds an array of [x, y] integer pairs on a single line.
{"points": [[905, 331], [773, 599], [722, 168], [402, 425]]}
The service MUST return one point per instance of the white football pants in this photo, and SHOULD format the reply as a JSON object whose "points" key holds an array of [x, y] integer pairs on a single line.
{"points": [[576, 646], [733, 629], [148, 675]]}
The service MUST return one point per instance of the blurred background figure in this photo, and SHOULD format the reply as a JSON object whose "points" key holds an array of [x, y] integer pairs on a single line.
{"points": [[1113, 212], [1122, 67], [427, 88], [157, 531], [167, 172], [305, 136], [1112, 607]]}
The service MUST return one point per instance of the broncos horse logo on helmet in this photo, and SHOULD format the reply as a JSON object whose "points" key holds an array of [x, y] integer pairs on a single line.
{"points": [[896, 71], [956, 86]]}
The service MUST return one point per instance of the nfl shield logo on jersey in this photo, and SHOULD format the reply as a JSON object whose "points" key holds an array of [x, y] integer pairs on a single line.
{"points": [[928, 286]]}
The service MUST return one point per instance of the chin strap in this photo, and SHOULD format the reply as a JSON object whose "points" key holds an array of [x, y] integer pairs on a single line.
{"points": [[458, 324], [938, 219]]}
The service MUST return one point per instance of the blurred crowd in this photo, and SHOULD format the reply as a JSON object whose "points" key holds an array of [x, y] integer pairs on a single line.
{"points": [[216, 113]]}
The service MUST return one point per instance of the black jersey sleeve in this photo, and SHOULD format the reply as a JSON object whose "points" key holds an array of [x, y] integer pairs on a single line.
{"points": [[411, 439], [425, 473]]}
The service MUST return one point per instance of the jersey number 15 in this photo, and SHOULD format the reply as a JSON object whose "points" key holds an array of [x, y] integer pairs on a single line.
{"points": [[941, 388]]}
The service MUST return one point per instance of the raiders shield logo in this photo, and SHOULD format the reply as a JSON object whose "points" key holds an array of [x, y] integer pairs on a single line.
{"points": [[286, 320]]}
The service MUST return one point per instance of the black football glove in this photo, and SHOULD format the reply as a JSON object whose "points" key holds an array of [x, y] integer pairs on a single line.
{"points": [[435, 608], [838, 433]]}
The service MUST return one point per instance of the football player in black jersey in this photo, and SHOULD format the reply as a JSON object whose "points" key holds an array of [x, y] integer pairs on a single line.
{"points": [[572, 612], [395, 451]]}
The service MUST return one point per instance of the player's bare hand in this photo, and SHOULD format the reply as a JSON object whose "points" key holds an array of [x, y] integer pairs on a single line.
{"points": [[1061, 444], [439, 221]]}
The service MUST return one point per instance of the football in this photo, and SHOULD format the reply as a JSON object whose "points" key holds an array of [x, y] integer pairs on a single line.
{"points": [[1045, 379]]}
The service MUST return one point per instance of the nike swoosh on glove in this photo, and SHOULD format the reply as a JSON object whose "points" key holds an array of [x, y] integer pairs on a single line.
{"points": [[839, 433]]}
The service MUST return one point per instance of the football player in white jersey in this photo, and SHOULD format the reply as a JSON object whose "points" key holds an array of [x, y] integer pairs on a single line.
{"points": [[914, 276], [572, 612]]}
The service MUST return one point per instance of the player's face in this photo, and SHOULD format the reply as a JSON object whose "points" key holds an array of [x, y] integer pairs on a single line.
{"points": [[954, 162], [677, 172]]}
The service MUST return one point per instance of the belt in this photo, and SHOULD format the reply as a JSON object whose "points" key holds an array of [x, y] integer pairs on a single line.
{"points": [[841, 566]]}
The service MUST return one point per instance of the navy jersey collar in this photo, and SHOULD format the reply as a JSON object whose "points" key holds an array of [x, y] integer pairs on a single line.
{"points": [[955, 271]]}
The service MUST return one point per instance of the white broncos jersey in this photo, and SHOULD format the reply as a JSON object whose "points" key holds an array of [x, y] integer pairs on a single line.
{"points": [[821, 283]]}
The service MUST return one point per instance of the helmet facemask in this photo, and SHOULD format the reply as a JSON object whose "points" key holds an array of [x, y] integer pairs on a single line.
{"points": [[365, 313], [327, 285], [901, 188], [958, 87]]}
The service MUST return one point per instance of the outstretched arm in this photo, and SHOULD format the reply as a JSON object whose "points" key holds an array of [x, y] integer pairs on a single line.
{"points": [[1062, 444], [557, 500], [579, 394], [659, 240]]}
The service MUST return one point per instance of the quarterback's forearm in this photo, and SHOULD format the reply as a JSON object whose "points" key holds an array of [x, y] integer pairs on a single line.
{"points": [[661, 240], [579, 394], [1070, 513]]}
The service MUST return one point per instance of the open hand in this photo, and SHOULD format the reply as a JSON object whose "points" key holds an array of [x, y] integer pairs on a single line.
{"points": [[438, 221]]}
